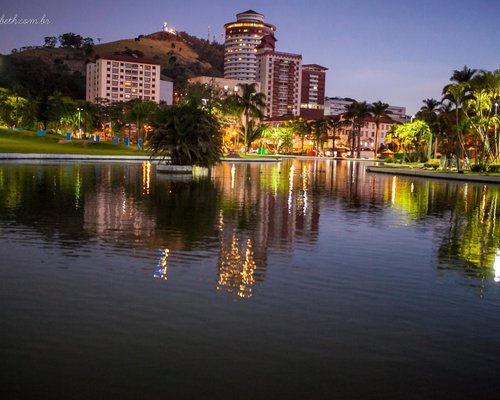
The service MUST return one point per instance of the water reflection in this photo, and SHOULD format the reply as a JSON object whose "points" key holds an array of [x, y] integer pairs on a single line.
{"points": [[238, 216], [162, 268]]}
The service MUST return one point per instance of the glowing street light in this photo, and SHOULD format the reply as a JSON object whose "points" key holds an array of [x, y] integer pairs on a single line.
{"points": [[79, 109]]}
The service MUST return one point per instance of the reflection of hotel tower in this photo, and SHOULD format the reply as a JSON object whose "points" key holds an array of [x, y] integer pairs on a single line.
{"points": [[272, 214], [242, 38]]}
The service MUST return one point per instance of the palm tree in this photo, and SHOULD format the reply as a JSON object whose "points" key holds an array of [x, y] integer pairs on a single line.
{"points": [[458, 94], [140, 113], [464, 75], [250, 104], [335, 124], [320, 130], [356, 113], [430, 113], [378, 110], [188, 134], [302, 128]]}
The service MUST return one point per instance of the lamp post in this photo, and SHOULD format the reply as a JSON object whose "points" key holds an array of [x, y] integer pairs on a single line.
{"points": [[498, 140], [79, 109]]}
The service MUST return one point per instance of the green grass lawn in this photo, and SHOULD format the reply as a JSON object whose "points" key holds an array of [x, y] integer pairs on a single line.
{"points": [[30, 142]]}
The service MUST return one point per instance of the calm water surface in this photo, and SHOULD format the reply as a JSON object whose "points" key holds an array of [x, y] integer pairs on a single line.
{"points": [[303, 279]]}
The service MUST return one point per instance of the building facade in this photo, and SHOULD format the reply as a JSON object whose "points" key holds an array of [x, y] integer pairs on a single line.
{"points": [[337, 106], [122, 78], [312, 102], [280, 76], [366, 134], [242, 38]]}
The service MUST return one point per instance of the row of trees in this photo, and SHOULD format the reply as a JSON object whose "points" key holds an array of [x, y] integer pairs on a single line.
{"points": [[61, 114], [465, 121]]}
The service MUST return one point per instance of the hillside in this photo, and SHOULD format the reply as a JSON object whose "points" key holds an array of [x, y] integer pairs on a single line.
{"points": [[181, 56]]}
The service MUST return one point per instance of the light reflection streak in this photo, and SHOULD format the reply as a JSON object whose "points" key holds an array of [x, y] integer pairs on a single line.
{"points": [[161, 268], [305, 181], [233, 173], [276, 180], [236, 274], [290, 189], [393, 190], [496, 266], [146, 176], [78, 188], [483, 204]]}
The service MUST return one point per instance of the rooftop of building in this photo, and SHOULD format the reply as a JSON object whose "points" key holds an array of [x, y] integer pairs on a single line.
{"points": [[116, 57], [314, 67]]}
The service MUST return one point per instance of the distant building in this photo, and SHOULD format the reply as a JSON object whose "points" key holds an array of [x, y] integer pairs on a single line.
{"points": [[242, 39], [166, 91], [280, 77], [222, 87], [338, 106], [366, 133], [122, 78], [312, 102]]}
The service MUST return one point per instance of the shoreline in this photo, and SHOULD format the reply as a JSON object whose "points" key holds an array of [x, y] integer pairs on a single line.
{"points": [[418, 173]]}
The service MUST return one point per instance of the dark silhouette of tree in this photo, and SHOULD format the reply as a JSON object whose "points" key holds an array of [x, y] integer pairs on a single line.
{"points": [[50, 41], [71, 41]]}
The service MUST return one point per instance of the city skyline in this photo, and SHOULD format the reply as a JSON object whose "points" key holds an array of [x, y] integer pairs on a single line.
{"points": [[397, 52]]}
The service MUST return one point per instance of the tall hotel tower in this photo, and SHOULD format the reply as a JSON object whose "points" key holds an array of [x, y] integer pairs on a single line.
{"points": [[242, 39]]}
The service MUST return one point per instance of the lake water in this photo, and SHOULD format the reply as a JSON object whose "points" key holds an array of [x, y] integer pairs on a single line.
{"points": [[300, 279]]}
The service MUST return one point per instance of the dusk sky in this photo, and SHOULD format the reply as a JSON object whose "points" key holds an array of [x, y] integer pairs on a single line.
{"points": [[400, 52]]}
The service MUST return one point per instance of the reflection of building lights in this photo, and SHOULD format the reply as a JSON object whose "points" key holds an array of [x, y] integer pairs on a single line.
{"points": [[146, 176], [161, 268], [236, 274], [221, 221]]}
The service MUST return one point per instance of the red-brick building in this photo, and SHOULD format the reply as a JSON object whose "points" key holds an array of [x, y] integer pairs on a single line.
{"points": [[279, 75], [312, 99]]}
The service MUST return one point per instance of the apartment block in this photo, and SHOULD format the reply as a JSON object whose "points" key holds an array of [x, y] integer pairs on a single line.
{"points": [[312, 103], [280, 76], [122, 78]]}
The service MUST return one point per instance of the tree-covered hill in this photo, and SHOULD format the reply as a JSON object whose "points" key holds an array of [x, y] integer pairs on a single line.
{"points": [[59, 64]]}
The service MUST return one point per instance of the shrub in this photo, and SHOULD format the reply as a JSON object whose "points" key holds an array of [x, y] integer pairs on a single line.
{"points": [[434, 164], [494, 167], [477, 168]]}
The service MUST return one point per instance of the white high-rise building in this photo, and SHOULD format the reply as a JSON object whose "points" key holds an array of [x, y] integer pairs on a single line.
{"points": [[122, 78], [242, 39]]}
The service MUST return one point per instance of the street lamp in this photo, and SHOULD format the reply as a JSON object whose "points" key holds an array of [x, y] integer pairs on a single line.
{"points": [[79, 109]]}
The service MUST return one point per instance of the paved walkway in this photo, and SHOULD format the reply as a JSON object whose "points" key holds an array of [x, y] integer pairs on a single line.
{"points": [[408, 171]]}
